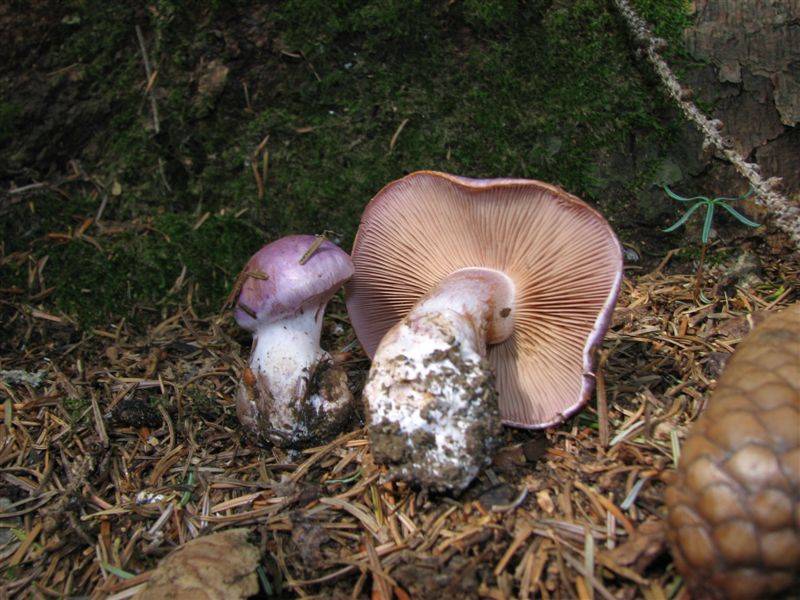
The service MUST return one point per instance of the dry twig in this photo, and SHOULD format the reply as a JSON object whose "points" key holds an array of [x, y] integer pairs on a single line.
{"points": [[151, 79]]}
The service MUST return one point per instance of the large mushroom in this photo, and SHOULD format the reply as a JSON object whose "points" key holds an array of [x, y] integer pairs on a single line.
{"points": [[291, 394], [474, 295]]}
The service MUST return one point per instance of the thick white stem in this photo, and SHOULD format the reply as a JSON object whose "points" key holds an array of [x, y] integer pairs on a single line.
{"points": [[286, 352], [276, 399], [433, 413]]}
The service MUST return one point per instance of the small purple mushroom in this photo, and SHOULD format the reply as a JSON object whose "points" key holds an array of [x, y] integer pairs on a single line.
{"points": [[292, 394]]}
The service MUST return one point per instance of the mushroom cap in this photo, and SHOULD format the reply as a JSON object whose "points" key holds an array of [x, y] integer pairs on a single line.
{"points": [[278, 286], [561, 254]]}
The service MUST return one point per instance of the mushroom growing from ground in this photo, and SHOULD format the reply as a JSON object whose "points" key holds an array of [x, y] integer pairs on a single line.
{"points": [[734, 507], [291, 394], [468, 292]]}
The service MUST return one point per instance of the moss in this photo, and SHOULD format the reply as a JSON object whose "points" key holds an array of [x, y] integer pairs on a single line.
{"points": [[136, 272], [667, 18], [10, 114], [490, 14], [77, 408], [206, 406], [547, 89]]}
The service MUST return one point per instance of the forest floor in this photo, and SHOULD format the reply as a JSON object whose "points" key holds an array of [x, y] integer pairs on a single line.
{"points": [[121, 444], [131, 200]]}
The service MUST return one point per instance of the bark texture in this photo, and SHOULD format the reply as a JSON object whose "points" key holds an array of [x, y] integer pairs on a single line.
{"points": [[738, 41], [752, 52]]}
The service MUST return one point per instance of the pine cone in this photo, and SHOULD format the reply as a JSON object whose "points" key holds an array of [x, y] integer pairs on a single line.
{"points": [[734, 507]]}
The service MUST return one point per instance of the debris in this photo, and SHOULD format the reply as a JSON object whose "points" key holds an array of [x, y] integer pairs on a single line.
{"points": [[497, 495], [220, 566], [648, 542], [213, 79], [18, 376], [192, 471], [210, 84], [151, 80], [133, 412]]}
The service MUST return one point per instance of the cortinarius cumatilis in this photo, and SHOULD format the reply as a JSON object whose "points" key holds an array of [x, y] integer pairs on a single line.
{"points": [[469, 289], [291, 394], [734, 507]]}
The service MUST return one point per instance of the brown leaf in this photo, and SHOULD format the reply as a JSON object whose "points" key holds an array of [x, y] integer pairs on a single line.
{"points": [[643, 547], [213, 79], [221, 565], [509, 459]]}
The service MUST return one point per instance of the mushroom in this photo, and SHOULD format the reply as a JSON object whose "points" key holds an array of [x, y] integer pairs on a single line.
{"points": [[734, 506], [291, 394], [481, 301]]}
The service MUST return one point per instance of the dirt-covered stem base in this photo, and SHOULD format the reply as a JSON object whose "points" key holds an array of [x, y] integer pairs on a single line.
{"points": [[430, 396], [291, 395]]}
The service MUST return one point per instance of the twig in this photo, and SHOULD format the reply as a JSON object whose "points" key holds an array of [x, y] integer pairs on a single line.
{"points": [[783, 213], [396, 135], [101, 209], [310, 66], [260, 177], [511, 506], [248, 107], [28, 188], [318, 240], [602, 400], [698, 276], [163, 175], [150, 79]]}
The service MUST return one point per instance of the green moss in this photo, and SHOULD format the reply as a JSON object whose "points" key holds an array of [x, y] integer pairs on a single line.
{"points": [[547, 89], [76, 408], [490, 14], [667, 18], [137, 271], [10, 114]]}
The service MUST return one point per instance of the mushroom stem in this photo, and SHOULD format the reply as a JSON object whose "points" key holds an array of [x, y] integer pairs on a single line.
{"points": [[291, 385], [432, 404], [286, 352]]}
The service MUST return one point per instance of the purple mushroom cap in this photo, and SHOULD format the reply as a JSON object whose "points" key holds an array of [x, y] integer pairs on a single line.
{"points": [[279, 286]]}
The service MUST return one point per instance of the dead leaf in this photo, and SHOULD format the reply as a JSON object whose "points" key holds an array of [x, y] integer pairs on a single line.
{"points": [[646, 544], [213, 79], [509, 459], [217, 566]]}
